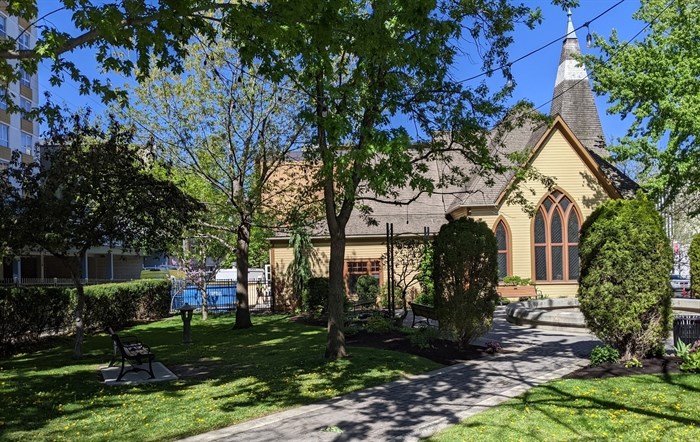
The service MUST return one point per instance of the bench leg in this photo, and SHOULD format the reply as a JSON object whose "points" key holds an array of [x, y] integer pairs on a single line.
{"points": [[414, 320], [150, 368], [121, 372]]}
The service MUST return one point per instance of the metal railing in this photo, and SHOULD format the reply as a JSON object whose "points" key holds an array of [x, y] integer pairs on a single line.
{"points": [[56, 281], [221, 296]]}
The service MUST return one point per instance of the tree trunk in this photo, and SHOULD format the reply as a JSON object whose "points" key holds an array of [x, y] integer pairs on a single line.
{"points": [[335, 348], [242, 307], [205, 302], [79, 309]]}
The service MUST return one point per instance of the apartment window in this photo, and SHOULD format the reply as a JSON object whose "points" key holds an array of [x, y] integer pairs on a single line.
{"points": [[503, 243], [26, 141], [3, 98], [24, 78], [3, 26], [556, 229], [4, 135], [23, 39], [25, 104], [356, 268]]}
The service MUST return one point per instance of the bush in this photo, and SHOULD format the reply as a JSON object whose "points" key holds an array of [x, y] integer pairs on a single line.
{"points": [[28, 312], [424, 337], [624, 291], [425, 275], [116, 305], [602, 354], [694, 256], [316, 295], [466, 276], [425, 298], [379, 324], [367, 288]]}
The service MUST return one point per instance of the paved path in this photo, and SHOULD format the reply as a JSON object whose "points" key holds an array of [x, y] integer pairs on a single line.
{"points": [[413, 408]]}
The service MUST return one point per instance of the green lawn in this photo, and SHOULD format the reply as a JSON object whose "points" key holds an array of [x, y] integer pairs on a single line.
{"points": [[243, 374], [635, 408]]}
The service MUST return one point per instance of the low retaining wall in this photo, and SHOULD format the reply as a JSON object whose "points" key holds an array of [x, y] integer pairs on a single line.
{"points": [[563, 313]]}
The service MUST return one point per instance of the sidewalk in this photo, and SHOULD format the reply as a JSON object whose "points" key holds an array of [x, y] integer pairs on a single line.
{"points": [[417, 407]]}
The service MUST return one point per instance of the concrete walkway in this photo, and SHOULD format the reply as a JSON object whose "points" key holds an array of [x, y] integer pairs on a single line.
{"points": [[414, 408]]}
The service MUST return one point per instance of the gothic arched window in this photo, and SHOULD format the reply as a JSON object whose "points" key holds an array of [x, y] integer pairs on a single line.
{"points": [[503, 243], [556, 232]]}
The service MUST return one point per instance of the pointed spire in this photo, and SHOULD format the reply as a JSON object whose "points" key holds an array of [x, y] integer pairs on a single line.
{"points": [[570, 32], [573, 97]]}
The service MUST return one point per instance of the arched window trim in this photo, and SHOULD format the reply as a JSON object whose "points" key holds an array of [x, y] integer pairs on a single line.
{"points": [[509, 243], [565, 244]]}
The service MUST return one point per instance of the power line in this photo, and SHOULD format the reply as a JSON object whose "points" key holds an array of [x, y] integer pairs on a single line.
{"points": [[508, 65]]}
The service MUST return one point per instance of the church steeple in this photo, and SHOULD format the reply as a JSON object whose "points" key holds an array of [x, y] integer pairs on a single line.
{"points": [[573, 97]]}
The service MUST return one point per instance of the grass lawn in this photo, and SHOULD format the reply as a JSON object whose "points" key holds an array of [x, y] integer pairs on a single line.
{"points": [[243, 374], [634, 408]]}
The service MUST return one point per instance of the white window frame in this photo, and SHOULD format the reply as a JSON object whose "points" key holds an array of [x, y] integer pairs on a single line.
{"points": [[25, 104], [27, 148], [3, 97], [24, 78], [24, 39], [4, 133]]}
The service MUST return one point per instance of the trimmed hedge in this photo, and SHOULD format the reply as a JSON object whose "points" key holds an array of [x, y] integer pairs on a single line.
{"points": [[116, 305], [28, 312]]}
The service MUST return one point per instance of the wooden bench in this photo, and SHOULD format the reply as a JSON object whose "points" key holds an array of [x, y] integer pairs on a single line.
{"points": [[363, 305], [425, 311], [517, 291], [129, 349]]}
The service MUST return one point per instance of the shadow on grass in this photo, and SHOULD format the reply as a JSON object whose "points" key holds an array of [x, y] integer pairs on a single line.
{"points": [[240, 373]]}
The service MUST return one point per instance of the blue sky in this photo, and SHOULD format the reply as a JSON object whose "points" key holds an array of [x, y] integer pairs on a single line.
{"points": [[533, 75]]}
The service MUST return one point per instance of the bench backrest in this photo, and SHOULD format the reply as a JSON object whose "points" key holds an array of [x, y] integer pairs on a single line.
{"points": [[117, 342], [425, 311]]}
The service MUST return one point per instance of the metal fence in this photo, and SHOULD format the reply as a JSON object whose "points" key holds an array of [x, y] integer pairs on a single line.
{"points": [[56, 281], [221, 296]]}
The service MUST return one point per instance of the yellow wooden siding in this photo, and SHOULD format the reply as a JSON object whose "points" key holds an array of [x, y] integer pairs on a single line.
{"points": [[558, 160]]}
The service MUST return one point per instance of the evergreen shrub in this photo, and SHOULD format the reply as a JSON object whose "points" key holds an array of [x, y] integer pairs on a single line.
{"points": [[28, 312], [316, 299], [465, 275], [367, 288], [694, 256], [625, 292]]}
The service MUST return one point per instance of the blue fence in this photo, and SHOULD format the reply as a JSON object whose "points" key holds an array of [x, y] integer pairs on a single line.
{"points": [[221, 296]]}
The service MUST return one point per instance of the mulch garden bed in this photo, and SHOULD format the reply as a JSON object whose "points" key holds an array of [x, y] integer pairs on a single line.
{"points": [[656, 366], [443, 352]]}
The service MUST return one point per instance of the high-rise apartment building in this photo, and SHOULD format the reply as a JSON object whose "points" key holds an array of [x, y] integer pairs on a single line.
{"points": [[17, 132]]}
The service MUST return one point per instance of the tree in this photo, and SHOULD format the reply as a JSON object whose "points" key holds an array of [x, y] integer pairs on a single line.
{"points": [[361, 63], [299, 270], [654, 81], [465, 271], [201, 258], [624, 288], [93, 188], [408, 275], [227, 128]]}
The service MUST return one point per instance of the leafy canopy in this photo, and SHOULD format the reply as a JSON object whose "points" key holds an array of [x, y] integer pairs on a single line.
{"points": [[654, 82]]}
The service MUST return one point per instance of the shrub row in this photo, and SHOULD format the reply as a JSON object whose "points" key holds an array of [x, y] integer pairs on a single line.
{"points": [[28, 312], [116, 305]]}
